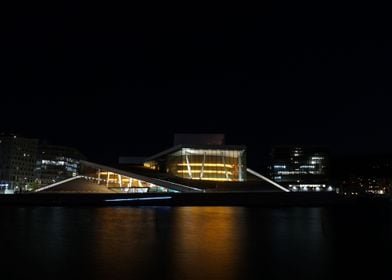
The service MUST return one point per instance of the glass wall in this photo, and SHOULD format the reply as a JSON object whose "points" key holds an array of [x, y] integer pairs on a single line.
{"points": [[301, 168], [207, 164], [119, 182]]}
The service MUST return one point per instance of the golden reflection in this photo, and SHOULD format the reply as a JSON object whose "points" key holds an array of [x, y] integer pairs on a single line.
{"points": [[123, 237], [206, 240]]}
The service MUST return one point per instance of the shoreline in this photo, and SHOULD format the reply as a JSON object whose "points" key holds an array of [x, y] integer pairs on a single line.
{"points": [[246, 199]]}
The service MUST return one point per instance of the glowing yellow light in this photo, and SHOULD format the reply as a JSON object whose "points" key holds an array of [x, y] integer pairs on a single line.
{"points": [[106, 173], [207, 164], [206, 171], [125, 179], [212, 179]]}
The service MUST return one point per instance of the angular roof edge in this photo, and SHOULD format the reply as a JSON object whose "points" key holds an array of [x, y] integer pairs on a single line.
{"points": [[156, 181], [204, 147]]}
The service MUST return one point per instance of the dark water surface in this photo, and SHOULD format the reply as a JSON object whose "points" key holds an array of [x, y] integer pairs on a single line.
{"points": [[195, 243]]}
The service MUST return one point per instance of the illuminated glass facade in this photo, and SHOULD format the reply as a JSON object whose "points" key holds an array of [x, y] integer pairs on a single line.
{"points": [[118, 182], [56, 163], [301, 168], [223, 163]]}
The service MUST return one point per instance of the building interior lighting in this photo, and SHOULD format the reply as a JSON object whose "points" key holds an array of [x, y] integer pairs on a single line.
{"points": [[206, 171], [207, 164], [212, 179]]}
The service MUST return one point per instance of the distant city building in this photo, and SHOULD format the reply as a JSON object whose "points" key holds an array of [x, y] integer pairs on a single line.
{"points": [[17, 162], [362, 184], [56, 163], [301, 168], [364, 175]]}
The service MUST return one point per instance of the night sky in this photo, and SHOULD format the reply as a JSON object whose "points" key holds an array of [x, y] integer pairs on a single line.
{"points": [[111, 81]]}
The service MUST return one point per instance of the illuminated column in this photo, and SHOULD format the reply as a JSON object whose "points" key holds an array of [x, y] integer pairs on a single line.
{"points": [[188, 165], [140, 183], [202, 166], [99, 176], [130, 182], [240, 166], [224, 166], [120, 180], [107, 180]]}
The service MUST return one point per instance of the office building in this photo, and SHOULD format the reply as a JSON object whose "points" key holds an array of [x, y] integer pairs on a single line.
{"points": [[56, 163], [301, 168], [17, 162]]}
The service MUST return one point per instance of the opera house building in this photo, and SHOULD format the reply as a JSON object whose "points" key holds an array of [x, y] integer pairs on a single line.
{"points": [[195, 163]]}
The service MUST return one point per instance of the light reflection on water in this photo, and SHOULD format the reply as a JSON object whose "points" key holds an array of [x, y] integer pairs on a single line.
{"points": [[206, 242], [193, 242]]}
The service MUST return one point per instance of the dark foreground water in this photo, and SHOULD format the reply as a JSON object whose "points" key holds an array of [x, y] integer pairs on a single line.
{"points": [[196, 243]]}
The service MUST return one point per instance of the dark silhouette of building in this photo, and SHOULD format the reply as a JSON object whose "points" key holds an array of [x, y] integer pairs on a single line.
{"points": [[363, 175], [199, 139], [17, 162]]}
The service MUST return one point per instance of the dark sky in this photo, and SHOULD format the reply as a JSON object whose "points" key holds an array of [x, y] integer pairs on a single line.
{"points": [[110, 80]]}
